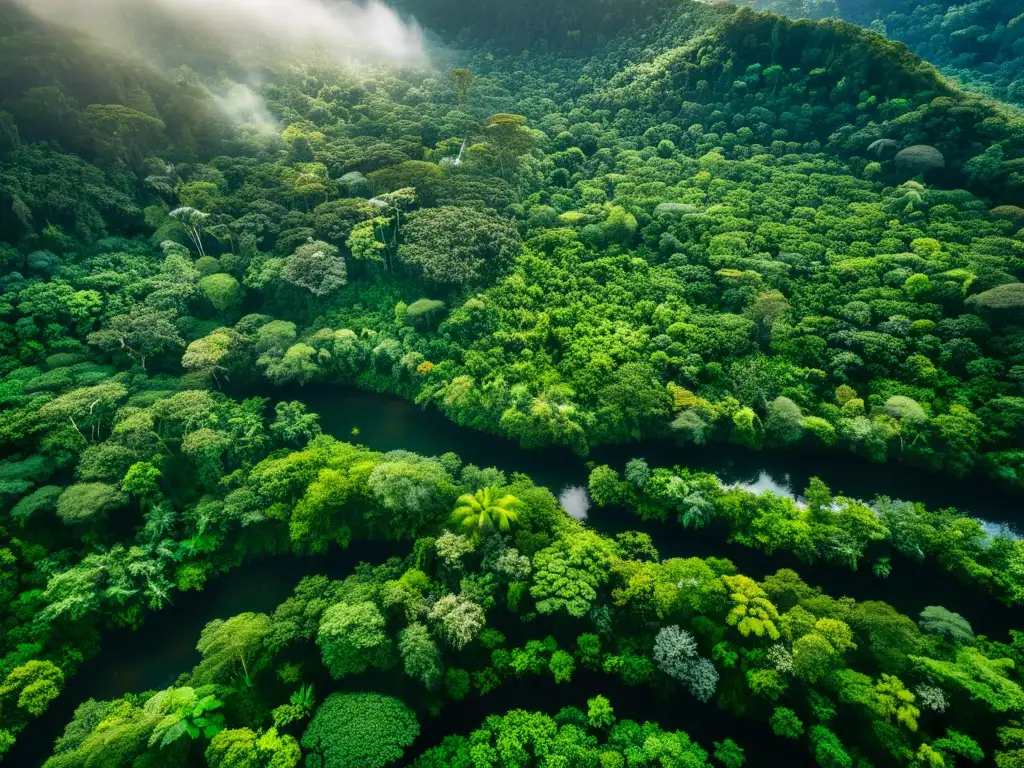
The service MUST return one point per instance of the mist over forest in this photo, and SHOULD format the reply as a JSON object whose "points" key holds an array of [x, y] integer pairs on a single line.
{"points": [[248, 29]]}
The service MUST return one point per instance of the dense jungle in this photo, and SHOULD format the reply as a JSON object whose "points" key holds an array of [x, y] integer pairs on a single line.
{"points": [[608, 384]]}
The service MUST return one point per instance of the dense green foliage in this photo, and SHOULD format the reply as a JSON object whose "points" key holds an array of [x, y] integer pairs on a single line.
{"points": [[853, 680], [742, 217], [980, 43], [843, 532], [609, 222], [554, 25], [358, 729], [665, 231], [533, 738]]}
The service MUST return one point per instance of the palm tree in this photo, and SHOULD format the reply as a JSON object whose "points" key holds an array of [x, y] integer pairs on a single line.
{"points": [[484, 510]]}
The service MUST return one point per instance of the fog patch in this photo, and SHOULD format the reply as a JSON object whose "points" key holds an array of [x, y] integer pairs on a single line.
{"points": [[344, 31], [242, 104], [575, 501]]}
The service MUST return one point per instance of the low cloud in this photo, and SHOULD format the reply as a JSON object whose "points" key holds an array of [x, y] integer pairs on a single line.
{"points": [[242, 104], [247, 31]]}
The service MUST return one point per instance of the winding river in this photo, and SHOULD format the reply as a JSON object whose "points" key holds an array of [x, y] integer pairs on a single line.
{"points": [[155, 655]]}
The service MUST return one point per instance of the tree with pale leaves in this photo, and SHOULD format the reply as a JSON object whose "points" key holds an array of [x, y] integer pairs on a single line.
{"points": [[194, 222], [458, 619], [231, 646], [317, 267], [675, 654]]}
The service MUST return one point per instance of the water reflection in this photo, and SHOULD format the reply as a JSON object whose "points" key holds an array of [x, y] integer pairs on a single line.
{"points": [[575, 501], [765, 482], [386, 423], [783, 486], [998, 529]]}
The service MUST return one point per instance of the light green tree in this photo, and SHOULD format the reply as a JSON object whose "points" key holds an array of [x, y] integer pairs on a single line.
{"points": [[231, 645], [894, 702], [353, 637], [486, 510], [32, 686], [600, 713], [508, 138], [222, 290], [244, 748]]}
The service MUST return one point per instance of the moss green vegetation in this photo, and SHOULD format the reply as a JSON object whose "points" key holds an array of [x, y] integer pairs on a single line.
{"points": [[586, 224]]}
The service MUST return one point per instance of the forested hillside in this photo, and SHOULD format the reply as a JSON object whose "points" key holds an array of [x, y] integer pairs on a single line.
{"points": [[979, 43], [766, 215], [582, 225]]}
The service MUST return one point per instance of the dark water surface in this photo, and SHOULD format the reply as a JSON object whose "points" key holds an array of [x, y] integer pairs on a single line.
{"points": [[164, 647], [388, 423]]}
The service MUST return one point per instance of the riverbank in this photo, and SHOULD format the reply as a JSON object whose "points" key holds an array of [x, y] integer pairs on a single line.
{"points": [[153, 656]]}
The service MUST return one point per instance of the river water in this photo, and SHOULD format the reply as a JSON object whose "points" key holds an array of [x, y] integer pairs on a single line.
{"points": [[164, 647], [388, 423]]}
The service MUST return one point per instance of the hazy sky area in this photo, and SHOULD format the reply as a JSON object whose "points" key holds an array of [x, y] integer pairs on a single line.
{"points": [[348, 32]]}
